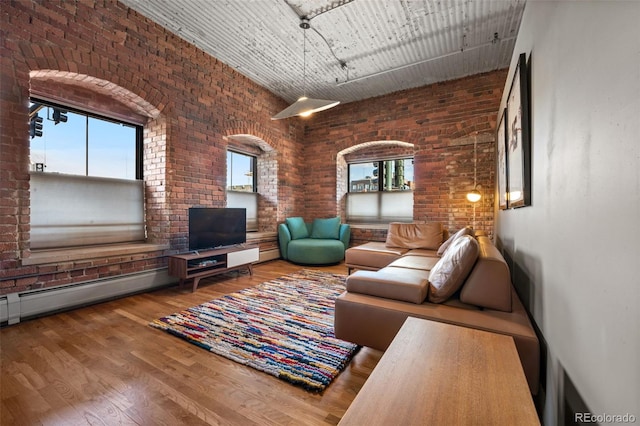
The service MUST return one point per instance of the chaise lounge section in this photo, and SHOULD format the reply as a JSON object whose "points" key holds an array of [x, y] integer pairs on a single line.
{"points": [[464, 281]]}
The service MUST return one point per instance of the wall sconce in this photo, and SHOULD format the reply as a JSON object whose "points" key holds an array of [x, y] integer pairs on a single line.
{"points": [[474, 195]]}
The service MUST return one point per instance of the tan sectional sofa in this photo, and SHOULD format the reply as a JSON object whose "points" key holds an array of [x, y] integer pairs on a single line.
{"points": [[396, 279]]}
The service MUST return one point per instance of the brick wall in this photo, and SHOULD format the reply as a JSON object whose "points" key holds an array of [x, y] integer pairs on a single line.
{"points": [[105, 57], [442, 121]]}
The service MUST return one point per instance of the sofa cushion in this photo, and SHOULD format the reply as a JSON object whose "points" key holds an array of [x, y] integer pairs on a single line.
{"points": [[448, 275], [408, 285], [297, 228], [309, 251], [467, 230], [415, 262], [372, 255], [326, 228], [415, 235], [423, 252]]}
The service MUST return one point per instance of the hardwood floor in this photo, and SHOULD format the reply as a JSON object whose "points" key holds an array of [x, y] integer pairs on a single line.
{"points": [[104, 365]]}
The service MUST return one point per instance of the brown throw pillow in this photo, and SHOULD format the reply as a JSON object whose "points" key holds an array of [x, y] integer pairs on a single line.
{"points": [[448, 275], [415, 235]]}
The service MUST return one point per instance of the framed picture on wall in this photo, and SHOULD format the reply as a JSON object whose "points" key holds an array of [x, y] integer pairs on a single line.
{"points": [[518, 138], [501, 149]]}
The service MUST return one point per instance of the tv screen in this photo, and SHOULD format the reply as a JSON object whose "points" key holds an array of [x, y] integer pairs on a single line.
{"points": [[211, 227]]}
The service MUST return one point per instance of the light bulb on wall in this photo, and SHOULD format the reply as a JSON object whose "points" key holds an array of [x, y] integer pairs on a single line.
{"points": [[474, 196]]}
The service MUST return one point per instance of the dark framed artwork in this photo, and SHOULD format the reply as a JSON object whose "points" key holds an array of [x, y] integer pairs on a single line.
{"points": [[519, 138], [501, 149]]}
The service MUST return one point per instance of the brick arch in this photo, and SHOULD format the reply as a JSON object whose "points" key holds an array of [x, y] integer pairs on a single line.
{"points": [[88, 67], [373, 144], [137, 104], [380, 136], [265, 139]]}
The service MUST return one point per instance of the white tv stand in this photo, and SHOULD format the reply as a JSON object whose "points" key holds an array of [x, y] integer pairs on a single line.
{"points": [[206, 263]]}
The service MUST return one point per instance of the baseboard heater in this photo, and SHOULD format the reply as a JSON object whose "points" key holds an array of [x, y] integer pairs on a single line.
{"points": [[15, 307]]}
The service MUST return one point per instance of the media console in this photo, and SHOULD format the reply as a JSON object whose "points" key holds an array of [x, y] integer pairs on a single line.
{"points": [[206, 263]]}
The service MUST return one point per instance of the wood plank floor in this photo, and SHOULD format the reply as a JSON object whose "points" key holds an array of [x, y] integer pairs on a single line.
{"points": [[104, 365]]}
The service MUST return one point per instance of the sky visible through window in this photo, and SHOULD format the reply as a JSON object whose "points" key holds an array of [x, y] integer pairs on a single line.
{"points": [[62, 148], [239, 171]]}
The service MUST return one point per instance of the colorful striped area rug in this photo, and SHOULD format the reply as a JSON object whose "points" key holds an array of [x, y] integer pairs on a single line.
{"points": [[282, 327]]}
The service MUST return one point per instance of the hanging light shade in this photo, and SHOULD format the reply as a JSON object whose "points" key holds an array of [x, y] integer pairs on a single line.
{"points": [[305, 106]]}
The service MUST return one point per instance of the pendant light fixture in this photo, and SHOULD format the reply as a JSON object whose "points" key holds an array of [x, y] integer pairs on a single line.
{"points": [[474, 195], [305, 106]]}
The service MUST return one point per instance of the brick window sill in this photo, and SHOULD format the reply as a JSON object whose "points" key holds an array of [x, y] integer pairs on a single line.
{"points": [[41, 257], [369, 225]]}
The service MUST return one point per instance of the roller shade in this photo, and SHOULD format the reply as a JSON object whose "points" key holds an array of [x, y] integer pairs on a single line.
{"points": [[70, 210], [247, 200], [380, 207]]}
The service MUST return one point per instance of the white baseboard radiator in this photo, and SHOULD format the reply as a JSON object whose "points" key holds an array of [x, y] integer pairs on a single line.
{"points": [[33, 303]]}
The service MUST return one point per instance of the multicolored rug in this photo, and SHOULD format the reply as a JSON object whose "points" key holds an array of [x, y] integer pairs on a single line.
{"points": [[282, 327]]}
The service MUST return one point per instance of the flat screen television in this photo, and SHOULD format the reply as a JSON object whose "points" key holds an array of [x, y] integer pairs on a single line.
{"points": [[211, 227]]}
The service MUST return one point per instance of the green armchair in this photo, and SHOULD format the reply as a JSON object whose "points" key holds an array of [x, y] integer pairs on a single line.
{"points": [[320, 242]]}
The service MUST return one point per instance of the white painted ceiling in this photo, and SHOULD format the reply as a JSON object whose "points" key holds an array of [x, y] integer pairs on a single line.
{"points": [[355, 49]]}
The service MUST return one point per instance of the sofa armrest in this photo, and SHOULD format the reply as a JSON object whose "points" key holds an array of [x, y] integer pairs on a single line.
{"points": [[345, 234], [284, 238], [489, 283]]}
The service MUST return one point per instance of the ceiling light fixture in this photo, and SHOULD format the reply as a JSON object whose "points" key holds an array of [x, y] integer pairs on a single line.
{"points": [[305, 106]]}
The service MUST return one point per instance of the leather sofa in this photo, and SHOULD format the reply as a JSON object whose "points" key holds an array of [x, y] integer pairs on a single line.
{"points": [[320, 242], [395, 280]]}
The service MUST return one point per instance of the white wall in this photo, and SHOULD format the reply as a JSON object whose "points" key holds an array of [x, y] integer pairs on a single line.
{"points": [[575, 252]]}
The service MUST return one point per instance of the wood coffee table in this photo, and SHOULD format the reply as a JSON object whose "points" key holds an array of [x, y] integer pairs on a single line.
{"points": [[440, 374]]}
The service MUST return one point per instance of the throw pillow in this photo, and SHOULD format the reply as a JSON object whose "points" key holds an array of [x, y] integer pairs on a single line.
{"points": [[326, 228], [415, 235], [297, 228], [464, 231], [448, 275]]}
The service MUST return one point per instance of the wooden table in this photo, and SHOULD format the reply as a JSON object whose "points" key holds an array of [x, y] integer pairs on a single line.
{"points": [[440, 374]]}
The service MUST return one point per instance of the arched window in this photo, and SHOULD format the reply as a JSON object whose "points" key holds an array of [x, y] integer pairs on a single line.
{"points": [[379, 182], [86, 178], [242, 185], [252, 170]]}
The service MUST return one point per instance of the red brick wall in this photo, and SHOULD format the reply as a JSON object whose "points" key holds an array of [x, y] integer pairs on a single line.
{"points": [[106, 58], [442, 121], [103, 56]]}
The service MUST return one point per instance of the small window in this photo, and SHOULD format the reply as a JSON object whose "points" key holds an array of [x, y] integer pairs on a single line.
{"points": [[242, 187], [241, 172], [380, 191], [384, 175]]}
